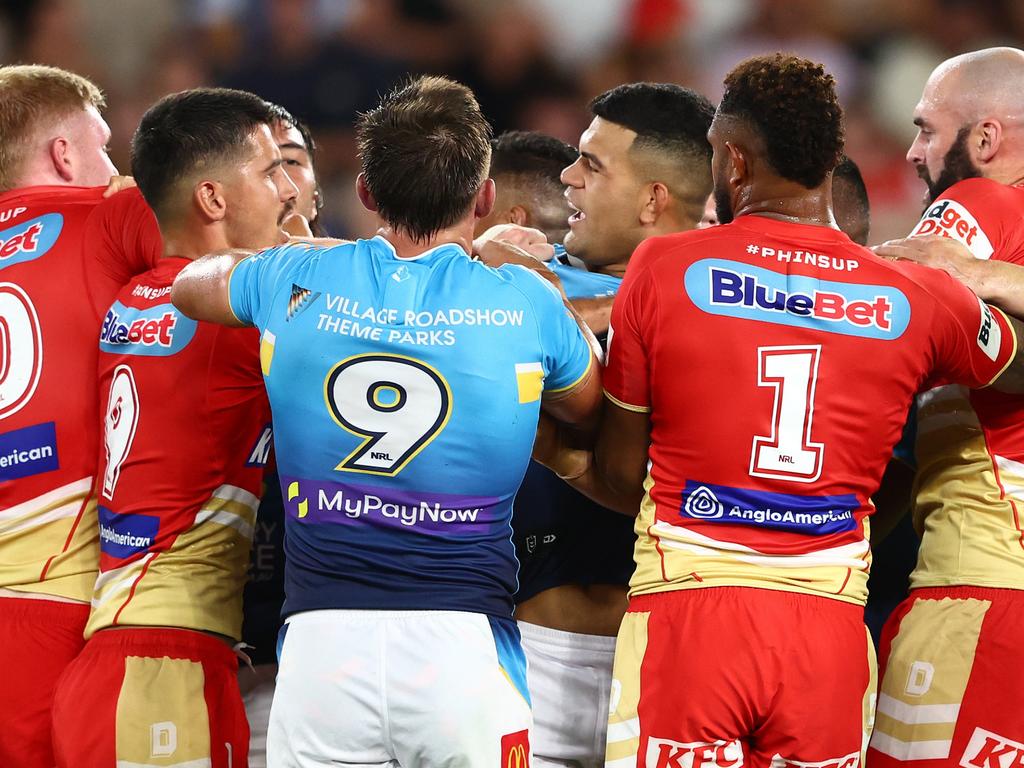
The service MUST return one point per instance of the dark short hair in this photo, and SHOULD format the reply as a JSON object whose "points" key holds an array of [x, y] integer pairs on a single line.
{"points": [[189, 130], [663, 116], [282, 115], [850, 193], [425, 151], [791, 103], [532, 155]]}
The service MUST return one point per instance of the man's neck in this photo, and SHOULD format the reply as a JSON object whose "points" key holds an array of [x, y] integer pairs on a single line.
{"points": [[193, 241], [666, 225], [790, 202], [406, 247]]}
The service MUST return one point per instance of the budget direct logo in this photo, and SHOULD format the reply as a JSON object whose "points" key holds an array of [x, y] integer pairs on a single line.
{"points": [[30, 239], [28, 451], [154, 331], [949, 218], [746, 292], [812, 515], [125, 536]]}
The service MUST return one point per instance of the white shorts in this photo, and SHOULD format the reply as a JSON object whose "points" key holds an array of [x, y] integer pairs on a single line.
{"points": [[399, 688], [570, 677]]}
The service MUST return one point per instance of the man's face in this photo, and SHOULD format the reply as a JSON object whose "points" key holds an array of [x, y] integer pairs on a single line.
{"points": [[89, 135], [720, 172], [259, 195], [939, 152], [299, 167], [606, 194]]}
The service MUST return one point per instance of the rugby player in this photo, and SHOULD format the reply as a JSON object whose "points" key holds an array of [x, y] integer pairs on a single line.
{"points": [[647, 149], [950, 692], [405, 381], [745, 640], [264, 589], [55, 285], [186, 438]]}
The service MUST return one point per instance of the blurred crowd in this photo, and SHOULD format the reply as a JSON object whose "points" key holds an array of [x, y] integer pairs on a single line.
{"points": [[534, 64]]}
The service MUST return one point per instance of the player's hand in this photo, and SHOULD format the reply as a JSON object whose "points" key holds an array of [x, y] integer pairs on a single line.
{"points": [[933, 251], [551, 449], [532, 241], [496, 253], [117, 184]]}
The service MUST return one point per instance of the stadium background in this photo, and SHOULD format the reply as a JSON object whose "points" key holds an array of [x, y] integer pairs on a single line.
{"points": [[533, 63]]}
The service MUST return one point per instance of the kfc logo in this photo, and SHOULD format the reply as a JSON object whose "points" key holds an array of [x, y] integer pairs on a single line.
{"points": [[990, 750], [663, 753], [949, 218]]}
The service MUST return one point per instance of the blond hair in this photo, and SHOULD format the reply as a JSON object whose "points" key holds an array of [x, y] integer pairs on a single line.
{"points": [[33, 96]]}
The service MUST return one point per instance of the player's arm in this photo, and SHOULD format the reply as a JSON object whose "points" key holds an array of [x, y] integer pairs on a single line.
{"points": [[202, 290], [997, 282], [612, 473], [596, 312]]}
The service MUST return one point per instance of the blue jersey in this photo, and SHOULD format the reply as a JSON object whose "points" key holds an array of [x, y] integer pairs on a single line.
{"points": [[405, 396], [581, 283], [561, 536]]}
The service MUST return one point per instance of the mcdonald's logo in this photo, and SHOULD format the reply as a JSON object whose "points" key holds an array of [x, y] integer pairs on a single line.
{"points": [[515, 750]]}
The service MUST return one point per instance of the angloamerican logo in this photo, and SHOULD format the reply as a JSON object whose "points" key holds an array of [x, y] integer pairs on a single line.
{"points": [[734, 289], [154, 331], [814, 515], [126, 535]]}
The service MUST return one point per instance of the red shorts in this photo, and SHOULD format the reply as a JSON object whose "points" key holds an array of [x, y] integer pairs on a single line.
{"points": [[724, 677], [953, 682], [151, 697], [38, 639]]}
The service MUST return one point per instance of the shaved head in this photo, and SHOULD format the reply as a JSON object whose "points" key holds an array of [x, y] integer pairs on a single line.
{"points": [[969, 120]]}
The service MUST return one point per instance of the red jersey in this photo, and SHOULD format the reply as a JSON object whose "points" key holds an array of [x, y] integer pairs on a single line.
{"points": [[778, 362], [64, 253], [186, 437], [970, 449]]}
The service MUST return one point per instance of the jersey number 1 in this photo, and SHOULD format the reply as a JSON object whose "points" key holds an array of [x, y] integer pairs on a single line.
{"points": [[788, 453]]}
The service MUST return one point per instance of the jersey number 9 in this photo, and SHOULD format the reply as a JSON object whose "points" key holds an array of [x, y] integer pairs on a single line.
{"points": [[398, 405]]}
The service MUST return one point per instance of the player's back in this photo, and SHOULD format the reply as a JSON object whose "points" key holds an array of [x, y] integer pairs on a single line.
{"points": [[970, 448], [48, 429], [186, 438], [781, 361], [405, 395]]}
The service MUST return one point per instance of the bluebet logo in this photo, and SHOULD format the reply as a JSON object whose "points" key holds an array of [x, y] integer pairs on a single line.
{"points": [[813, 515], [30, 239], [125, 536], [734, 289], [28, 451], [154, 331]]}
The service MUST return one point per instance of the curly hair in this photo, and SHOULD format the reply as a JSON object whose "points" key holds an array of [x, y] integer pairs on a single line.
{"points": [[791, 103]]}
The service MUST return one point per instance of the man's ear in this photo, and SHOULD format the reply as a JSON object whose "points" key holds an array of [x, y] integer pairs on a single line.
{"points": [[518, 215], [209, 198], [364, 194], [657, 200], [60, 158], [985, 141], [484, 199], [739, 168]]}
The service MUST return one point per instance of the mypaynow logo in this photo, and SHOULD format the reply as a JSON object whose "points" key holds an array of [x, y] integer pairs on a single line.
{"points": [[734, 289], [30, 239], [318, 501]]}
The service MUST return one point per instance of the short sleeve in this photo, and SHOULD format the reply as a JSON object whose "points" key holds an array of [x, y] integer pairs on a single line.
{"points": [[626, 378], [256, 279], [976, 342], [567, 356], [982, 214], [122, 239]]}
